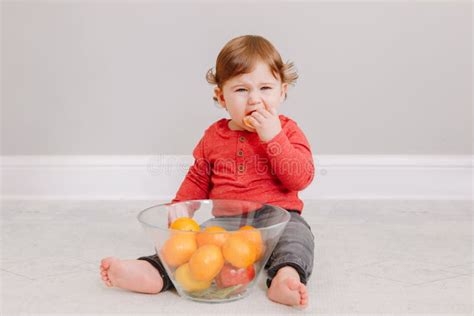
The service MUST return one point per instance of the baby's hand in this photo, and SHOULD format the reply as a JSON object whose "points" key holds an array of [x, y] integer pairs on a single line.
{"points": [[181, 210], [266, 122]]}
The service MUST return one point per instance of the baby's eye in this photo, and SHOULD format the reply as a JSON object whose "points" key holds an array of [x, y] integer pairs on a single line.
{"points": [[241, 90], [266, 88]]}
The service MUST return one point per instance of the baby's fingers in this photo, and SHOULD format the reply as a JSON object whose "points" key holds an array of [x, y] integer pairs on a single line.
{"points": [[269, 108]]}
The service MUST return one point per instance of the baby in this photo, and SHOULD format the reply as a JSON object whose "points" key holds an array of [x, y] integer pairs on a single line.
{"points": [[256, 155]]}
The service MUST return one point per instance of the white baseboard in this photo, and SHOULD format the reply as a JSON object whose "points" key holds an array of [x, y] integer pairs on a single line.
{"points": [[158, 177]]}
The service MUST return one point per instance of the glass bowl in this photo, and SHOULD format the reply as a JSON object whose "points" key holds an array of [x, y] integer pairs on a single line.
{"points": [[223, 259]]}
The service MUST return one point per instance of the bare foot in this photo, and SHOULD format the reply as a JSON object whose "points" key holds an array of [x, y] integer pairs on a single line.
{"points": [[286, 288], [134, 275]]}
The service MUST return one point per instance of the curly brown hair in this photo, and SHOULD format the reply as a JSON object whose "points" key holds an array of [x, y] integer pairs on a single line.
{"points": [[239, 56]]}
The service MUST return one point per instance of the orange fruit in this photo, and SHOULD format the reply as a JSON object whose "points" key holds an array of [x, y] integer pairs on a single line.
{"points": [[179, 248], [206, 263], [185, 223], [213, 235], [254, 236], [185, 279], [238, 251], [247, 122]]}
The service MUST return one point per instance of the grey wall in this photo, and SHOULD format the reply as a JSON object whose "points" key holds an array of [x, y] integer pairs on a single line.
{"points": [[128, 78]]}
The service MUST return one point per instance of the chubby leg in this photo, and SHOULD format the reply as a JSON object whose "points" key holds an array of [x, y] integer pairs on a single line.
{"points": [[133, 275], [291, 264]]}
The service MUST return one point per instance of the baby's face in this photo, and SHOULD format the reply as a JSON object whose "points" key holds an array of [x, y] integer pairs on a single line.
{"points": [[245, 93]]}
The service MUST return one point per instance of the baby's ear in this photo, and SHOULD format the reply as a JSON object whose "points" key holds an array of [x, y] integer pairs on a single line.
{"points": [[219, 95], [284, 90]]}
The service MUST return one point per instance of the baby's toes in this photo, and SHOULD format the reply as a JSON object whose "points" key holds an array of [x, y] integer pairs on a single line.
{"points": [[105, 263], [303, 295], [304, 303], [107, 281], [105, 277], [303, 290]]}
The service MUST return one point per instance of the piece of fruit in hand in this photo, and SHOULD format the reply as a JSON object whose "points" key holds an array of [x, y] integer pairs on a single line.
{"points": [[247, 122]]}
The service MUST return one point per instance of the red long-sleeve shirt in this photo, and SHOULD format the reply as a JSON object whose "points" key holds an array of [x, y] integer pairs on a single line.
{"points": [[238, 165]]}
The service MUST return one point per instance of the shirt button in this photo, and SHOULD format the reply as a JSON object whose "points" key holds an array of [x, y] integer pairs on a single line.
{"points": [[241, 168], [240, 153], [242, 139]]}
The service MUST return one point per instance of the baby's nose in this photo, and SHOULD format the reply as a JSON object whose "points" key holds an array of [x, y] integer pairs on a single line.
{"points": [[254, 99], [254, 103]]}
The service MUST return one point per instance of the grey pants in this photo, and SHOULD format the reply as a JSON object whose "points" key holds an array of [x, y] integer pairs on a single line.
{"points": [[295, 248]]}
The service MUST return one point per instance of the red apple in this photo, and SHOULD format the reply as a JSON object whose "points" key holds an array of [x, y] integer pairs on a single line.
{"points": [[230, 276]]}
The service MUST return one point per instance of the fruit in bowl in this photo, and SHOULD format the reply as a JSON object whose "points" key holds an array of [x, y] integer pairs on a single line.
{"points": [[232, 276], [214, 250]]}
